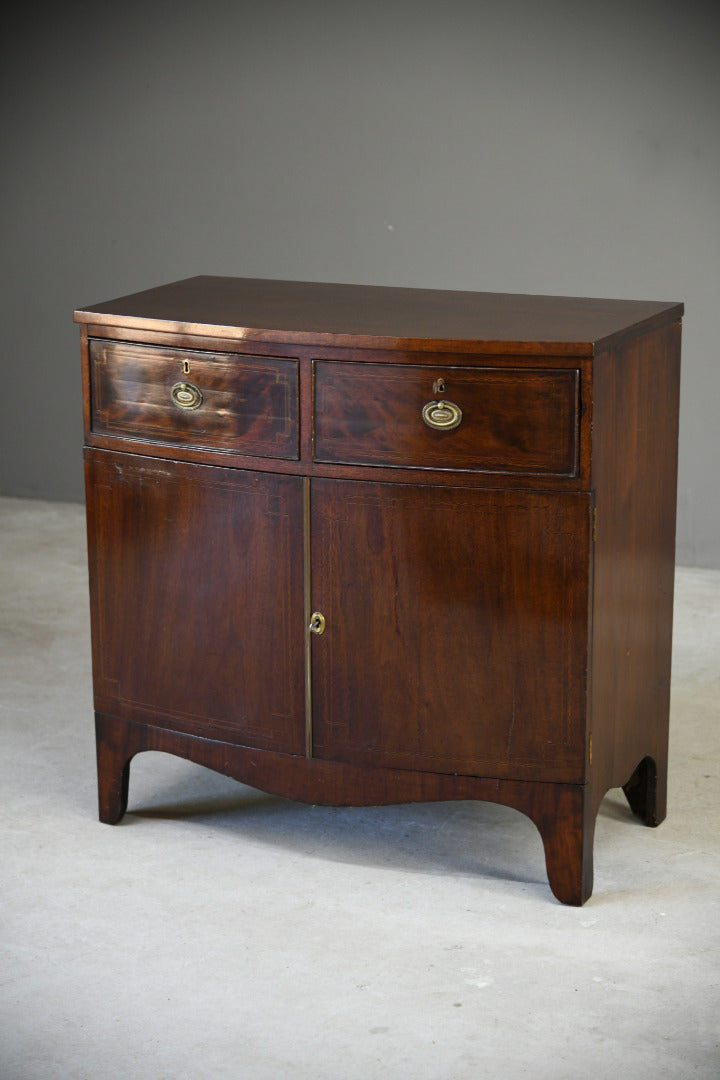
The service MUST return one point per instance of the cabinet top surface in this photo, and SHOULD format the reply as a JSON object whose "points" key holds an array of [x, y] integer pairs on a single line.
{"points": [[319, 314]]}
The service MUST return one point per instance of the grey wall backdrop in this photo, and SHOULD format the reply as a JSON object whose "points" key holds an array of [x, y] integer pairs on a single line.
{"points": [[517, 146]]}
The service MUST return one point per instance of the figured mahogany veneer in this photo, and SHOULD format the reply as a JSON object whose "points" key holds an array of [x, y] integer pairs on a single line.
{"points": [[248, 404], [496, 598], [513, 421]]}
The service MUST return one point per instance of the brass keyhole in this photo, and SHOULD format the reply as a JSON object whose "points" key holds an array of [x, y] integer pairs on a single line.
{"points": [[439, 386], [317, 622]]}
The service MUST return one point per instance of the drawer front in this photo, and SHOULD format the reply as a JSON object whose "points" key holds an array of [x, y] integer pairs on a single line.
{"points": [[216, 401], [491, 419]]}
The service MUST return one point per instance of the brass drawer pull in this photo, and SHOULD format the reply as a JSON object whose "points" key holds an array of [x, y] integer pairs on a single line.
{"points": [[317, 623], [442, 415], [186, 395]]}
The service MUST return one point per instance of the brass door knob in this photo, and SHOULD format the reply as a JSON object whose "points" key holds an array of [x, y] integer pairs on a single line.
{"points": [[186, 395], [442, 415]]}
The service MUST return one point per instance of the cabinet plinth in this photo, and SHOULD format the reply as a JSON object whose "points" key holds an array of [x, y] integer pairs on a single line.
{"points": [[358, 545]]}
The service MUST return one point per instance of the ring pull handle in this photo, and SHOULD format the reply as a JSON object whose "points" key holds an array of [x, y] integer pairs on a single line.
{"points": [[442, 415], [186, 395]]}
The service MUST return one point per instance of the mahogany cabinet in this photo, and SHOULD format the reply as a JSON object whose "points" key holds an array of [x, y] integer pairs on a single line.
{"points": [[362, 545]]}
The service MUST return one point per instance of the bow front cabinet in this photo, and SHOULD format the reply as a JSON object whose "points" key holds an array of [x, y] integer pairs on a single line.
{"points": [[363, 545]]}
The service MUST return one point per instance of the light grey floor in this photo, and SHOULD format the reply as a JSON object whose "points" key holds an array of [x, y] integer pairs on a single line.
{"points": [[221, 933]]}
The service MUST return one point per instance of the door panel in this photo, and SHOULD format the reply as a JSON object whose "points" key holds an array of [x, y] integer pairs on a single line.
{"points": [[456, 629], [197, 598]]}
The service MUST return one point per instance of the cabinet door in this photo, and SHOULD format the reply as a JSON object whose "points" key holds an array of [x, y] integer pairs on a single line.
{"points": [[456, 629], [197, 598]]}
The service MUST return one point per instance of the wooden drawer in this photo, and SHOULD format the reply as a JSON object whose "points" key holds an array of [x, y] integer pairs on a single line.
{"points": [[512, 419], [217, 401]]}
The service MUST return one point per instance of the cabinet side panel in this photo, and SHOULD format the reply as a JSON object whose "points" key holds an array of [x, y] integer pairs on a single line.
{"points": [[196, 581], [635, 402]]}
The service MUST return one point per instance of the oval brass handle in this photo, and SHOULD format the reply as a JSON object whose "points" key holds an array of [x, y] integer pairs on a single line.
{"points": [[317, 623], [442, 415], [186, 395]]}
